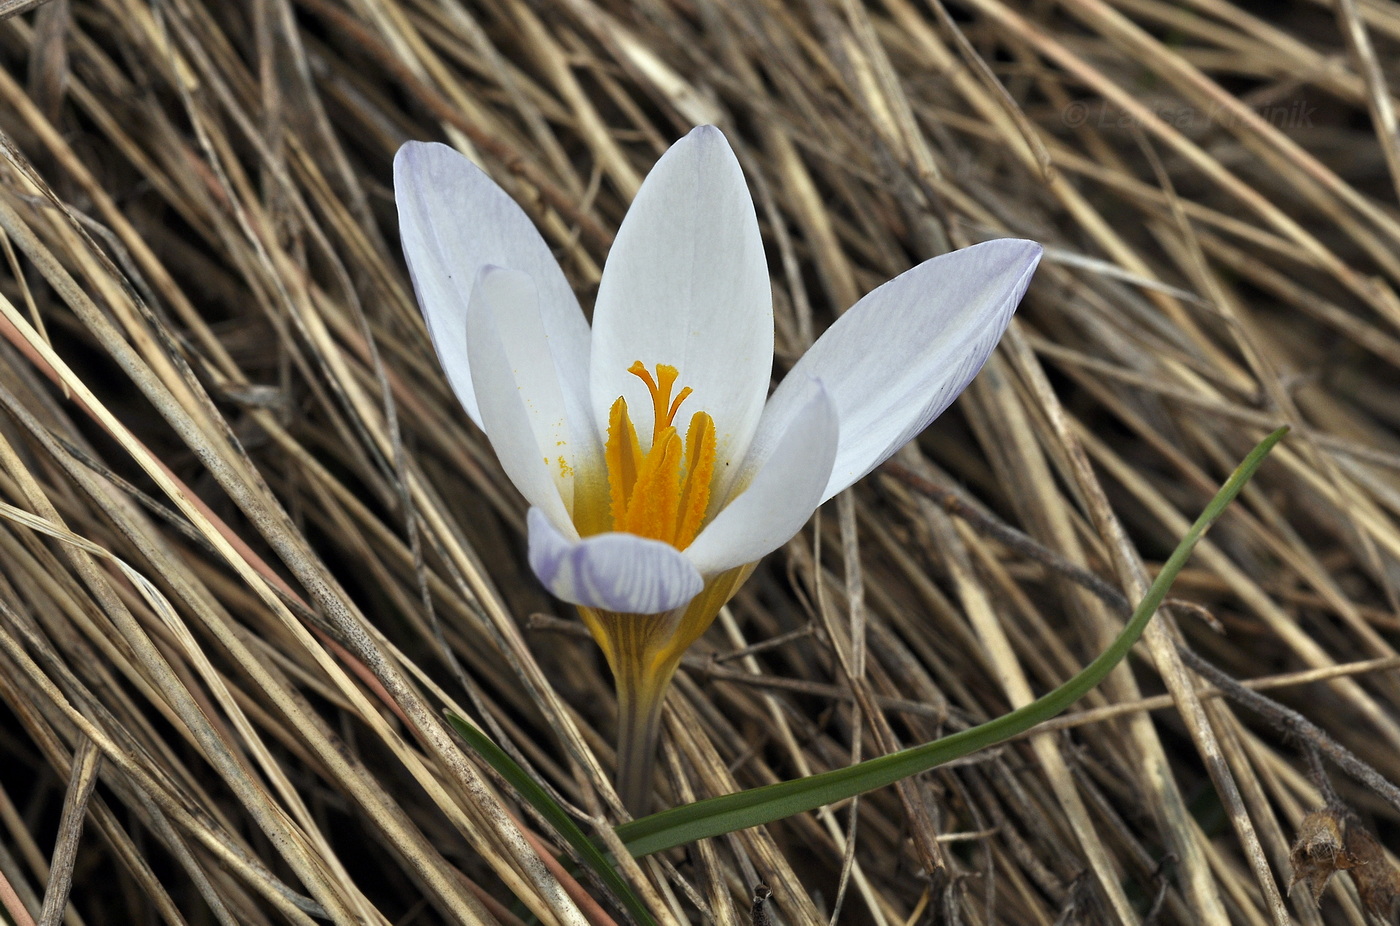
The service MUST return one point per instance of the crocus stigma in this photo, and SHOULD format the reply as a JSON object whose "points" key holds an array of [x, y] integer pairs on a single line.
{"points": [[657, 467]]}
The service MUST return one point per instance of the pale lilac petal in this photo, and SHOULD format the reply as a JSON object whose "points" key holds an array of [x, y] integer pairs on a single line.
{"points": [[785, 490], [612, 572], [686, 284], [454, 220], [902, 354], [522, 403]]}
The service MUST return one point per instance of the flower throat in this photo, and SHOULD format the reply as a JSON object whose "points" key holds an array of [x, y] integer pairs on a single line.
{"points": [[661, 493]]}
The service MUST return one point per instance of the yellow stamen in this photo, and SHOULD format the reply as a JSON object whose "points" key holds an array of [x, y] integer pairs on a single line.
{"points": [[655, 497], [623, 453], [699, 470], [664, 492]]}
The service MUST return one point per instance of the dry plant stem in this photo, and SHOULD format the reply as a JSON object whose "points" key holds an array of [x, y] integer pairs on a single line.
{"points": [[849, 656], [268, 518], [854, 665], [1187, 840], [1022, 455], [216, 750], [851, 653], [234, 645], [527, 867], [1027, 546], [87, 761], [1308, 734], [13, 905], [1378, 96], [1004, 533], [25, 854], [1096, 715], [290, 905], [767, 858], [116, 513], [450, 115], [217, 183], [1312, 737], [1285, 719], [718, 904]]}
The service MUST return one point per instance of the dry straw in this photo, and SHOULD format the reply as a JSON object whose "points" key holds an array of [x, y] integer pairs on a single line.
{"points": [[251, 546]]}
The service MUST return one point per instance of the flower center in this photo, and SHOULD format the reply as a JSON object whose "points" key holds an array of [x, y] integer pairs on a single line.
{"points": [[661, 493]]}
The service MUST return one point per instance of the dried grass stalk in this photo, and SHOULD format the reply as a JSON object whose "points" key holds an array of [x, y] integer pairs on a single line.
{"points": [[251, 546]]}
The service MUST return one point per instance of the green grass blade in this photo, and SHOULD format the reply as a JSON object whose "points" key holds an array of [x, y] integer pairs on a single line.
{"points": [[730, 812], [563, 824]]}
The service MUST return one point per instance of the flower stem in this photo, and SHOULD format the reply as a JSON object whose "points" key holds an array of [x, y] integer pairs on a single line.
{"points": [[630, 642], [638, 732], [643, 651]]}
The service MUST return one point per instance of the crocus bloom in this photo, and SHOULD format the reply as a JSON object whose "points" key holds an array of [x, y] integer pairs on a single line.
{"points": [[657, 467]]}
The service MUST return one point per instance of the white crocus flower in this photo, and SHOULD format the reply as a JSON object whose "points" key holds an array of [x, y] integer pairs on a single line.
{"points": [[657, 467]]}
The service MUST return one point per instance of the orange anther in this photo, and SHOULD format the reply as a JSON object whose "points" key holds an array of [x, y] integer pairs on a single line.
{"points": [[661, 493]]}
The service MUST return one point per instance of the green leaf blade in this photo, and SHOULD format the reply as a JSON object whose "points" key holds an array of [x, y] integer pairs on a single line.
{"points": [[558, 818], [754, 807]]}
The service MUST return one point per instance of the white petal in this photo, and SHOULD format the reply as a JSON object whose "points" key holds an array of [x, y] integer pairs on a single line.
{"points": [[613, 572], [786, 489], [522, 404], [454, 220], [686, 284], [902, 354]]}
